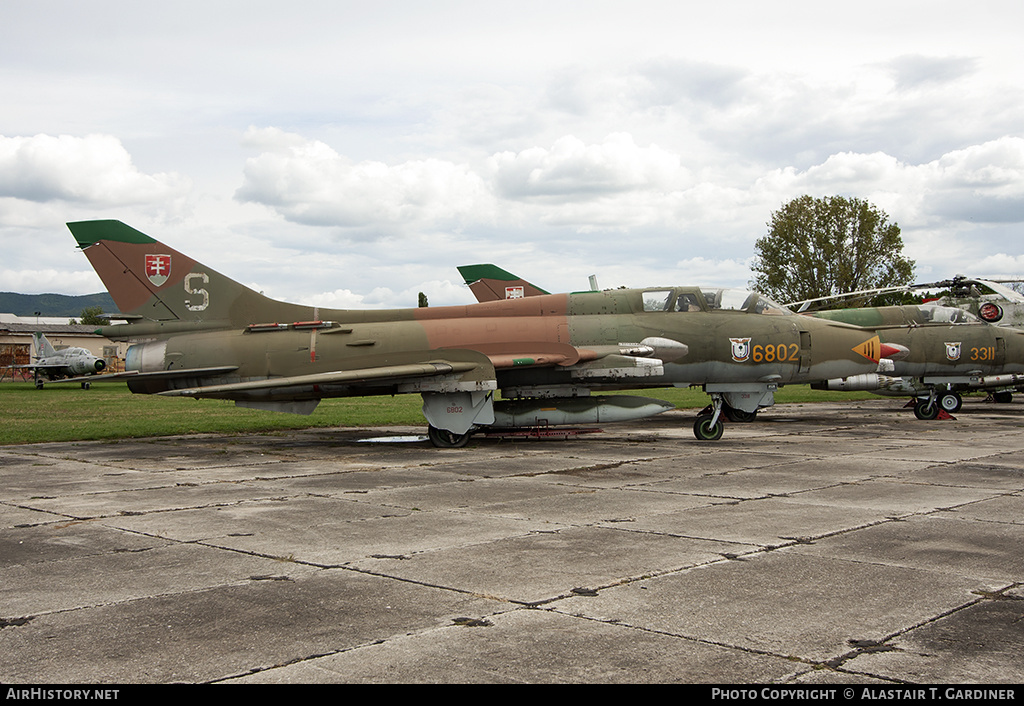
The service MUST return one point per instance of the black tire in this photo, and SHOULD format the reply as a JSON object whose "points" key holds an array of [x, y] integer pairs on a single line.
{"points": [[444, 439], [926, 409], [950, 401], [703, 430], [739, 416], [1002, 397]]}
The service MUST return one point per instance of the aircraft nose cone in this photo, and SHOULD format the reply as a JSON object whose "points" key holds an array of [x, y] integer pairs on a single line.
{"points": [[894, 351]]}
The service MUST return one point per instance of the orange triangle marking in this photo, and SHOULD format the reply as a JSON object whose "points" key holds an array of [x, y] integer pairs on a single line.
{"points": [[870, 349]]}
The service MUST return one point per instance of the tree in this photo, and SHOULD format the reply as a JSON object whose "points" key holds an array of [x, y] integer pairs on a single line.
{"points": [[91, 316], [819, 247], [423, 300]]}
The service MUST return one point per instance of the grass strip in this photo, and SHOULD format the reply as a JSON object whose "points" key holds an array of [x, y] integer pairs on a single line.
{"points": [[110, 411]]}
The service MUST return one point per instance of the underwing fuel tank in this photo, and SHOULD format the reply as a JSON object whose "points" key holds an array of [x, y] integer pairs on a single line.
{"points": [[871, 382], [534, 412]]}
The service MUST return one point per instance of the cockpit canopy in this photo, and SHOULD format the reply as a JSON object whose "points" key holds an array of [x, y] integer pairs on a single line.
{"points": [[934, 313], [711, 299]]}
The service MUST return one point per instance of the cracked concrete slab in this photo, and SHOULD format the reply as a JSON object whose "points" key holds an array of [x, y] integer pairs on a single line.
{"points": [[226, 630], [540, 567], [987, 551], [823, 543], [977, 645], [534, 646], [782, 603]]}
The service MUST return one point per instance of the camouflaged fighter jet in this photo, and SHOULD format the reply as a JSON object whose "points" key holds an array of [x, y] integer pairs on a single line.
{"points": [[738, 359], [67, 364], [943, 351], [200, 334]]}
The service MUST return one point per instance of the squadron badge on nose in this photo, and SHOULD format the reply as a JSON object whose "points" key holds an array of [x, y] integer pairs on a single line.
{"points": [[740, 349]]}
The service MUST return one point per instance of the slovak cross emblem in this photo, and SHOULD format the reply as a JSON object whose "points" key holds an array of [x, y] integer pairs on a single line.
{"points": [[158, 268], [740, 349], [953, 350]]}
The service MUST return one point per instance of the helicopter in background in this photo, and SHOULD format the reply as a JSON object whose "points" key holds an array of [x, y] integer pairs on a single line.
{"points": [[988, 299]]}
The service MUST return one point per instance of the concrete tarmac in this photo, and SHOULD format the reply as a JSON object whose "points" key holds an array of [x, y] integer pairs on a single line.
{"points": [[823, 543]]}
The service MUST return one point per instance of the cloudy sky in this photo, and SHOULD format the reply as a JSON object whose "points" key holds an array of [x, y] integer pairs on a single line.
{"points": [[352, 154]]}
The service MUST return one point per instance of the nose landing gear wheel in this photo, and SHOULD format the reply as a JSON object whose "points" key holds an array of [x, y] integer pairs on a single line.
{"points": [[926, 408], [703, 430]]}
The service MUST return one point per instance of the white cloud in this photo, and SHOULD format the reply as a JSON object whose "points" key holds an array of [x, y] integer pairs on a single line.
{"points": [[614, 184], [1001, 265], [650, 141], [308, 182], [95, 170], [913, 71], [699, 269], [50, 281], [572, 170], [438, 292], [979, 184]]}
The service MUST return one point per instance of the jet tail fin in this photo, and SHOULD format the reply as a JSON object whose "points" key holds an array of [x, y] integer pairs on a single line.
{"points": [[491, 283], [150, 279], [43, 347]]}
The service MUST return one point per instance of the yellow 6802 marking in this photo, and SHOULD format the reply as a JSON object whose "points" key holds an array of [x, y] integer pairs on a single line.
{"points": [[781, 353]]}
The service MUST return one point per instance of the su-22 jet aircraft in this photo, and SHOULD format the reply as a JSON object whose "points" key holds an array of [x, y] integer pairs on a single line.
{"points": [[932, 352], [66, 364], [947, 351], [204, 335], [740, 372]]}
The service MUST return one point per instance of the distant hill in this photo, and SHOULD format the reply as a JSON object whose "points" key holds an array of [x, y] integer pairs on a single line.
{"points": [[53, 304]]}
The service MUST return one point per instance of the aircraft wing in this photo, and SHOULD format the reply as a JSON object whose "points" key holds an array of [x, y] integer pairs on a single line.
{"points": [[603, 361], [363, 375], [33, 366], [609, 362], [135, 375], [549, 354]]}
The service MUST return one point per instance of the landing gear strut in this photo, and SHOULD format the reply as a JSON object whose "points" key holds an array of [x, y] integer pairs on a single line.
{"points": [[709, 426]]}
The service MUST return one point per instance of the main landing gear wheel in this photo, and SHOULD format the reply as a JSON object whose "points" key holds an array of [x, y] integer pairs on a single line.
{"points": [[950, 401], [738, 415], [926, 408], [444, 439], [1003, 397], [703, 430]]}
